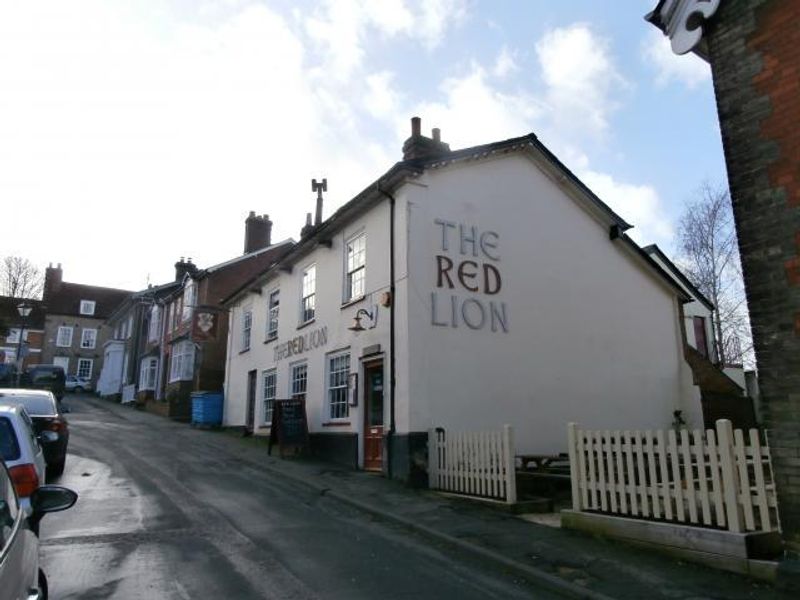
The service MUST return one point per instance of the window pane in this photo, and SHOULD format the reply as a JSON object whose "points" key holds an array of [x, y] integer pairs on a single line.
{"points": [[338, 372]]}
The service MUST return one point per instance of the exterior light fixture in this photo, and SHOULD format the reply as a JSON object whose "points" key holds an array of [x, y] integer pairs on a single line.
{"points": [[24, 309], [363, 312]]}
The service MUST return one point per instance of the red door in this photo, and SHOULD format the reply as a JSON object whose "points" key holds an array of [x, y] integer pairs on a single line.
{"points": [[373, 417]]}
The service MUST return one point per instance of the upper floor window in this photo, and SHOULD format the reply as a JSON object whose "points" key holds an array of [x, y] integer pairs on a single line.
{"points": [[247, 327], [356, 259], [155, 323], [88, 338], [308, 303], [189, 297], [64, 337], [273, 305], [87, 307], [129, 328], [13, 336]]}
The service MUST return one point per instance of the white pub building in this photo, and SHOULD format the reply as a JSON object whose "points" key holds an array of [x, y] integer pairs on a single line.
{"points": [[466, 290]]}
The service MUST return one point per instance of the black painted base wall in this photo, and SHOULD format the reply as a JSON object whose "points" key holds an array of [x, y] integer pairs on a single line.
{"points": [[339, 448], [409, 457]]}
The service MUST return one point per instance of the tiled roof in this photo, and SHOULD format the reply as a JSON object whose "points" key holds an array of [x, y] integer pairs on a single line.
{"points": [[66, 299], [9, 314]]}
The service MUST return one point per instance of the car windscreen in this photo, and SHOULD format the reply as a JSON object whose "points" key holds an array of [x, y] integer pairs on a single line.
{"points": [[9, 447], [37, 405], [44, 376]]}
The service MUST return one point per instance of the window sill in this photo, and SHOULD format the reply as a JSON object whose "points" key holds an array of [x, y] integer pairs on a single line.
{"points": [[245, 350], [336, 424], [349, 303], [269, 340], [306, 324]]}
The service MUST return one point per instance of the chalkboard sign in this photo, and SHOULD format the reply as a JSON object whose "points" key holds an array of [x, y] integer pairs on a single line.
{"points": [[289, 427]]}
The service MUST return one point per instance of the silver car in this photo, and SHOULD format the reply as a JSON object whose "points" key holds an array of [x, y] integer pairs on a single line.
{"points": [[20, 575]]}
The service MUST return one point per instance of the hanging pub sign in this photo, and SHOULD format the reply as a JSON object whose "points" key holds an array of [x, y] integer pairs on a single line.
{"points": [[289, 427], [205, 322]]}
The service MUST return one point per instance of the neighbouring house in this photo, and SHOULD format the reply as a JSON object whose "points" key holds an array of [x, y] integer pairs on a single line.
{"points": [[121, 376], [74, 329], [31, 328], [751, 47], [186, 329], [465, 290]]}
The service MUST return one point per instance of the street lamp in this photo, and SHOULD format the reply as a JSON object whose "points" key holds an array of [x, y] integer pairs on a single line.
{"points": [[24, 310]]}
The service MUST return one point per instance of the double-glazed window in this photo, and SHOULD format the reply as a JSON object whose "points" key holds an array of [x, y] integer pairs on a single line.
{"points": [[308, 300], [64, 337], [338, 372], [88, 338], [247, 328], [85, 368], [299, 382], [270, 381], [147, 375], [356, 260], [273, 307], [182, 366]]}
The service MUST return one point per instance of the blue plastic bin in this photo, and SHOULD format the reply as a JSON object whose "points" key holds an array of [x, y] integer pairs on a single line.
{"points": [[207, 408]]}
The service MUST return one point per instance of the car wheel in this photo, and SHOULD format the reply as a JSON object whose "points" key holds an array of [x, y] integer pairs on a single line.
{"points": [[57, 469], [42, 585]]}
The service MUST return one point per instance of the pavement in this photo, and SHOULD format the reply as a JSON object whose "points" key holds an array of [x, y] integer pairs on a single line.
{"points": [[564, 562]]}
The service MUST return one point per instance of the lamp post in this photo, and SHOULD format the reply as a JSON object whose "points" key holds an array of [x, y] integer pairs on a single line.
{"points": [[24, 310]]}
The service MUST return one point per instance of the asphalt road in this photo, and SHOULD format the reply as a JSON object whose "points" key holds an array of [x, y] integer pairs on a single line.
{"points": [[162, 514]]}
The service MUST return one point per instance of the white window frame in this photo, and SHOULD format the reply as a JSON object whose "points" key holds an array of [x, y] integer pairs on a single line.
{"points": [[155, 324], [182, 362], [147, 373], [189, 297], [298, 380], [64, 331], [13, 335], [82, 361], [337, 385], [273, 313], [88, 307], [355, 267], [269, 380], [247, 328], [129, 330], [308, 294], [92, 339], [63, 362]]}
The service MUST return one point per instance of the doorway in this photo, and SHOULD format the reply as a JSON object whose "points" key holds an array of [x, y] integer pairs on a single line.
{"points": [[373, 416], [250, 417]]}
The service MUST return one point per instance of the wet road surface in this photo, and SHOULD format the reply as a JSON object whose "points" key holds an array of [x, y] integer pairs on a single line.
{"points": [[162, 514]]}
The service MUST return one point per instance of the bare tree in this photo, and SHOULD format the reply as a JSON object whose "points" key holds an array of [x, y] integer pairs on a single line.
{"points": [[20, 278], [709, 254]]}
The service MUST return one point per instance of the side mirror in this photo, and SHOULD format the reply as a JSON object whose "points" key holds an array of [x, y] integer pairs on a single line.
{"points": [[47, 499]]}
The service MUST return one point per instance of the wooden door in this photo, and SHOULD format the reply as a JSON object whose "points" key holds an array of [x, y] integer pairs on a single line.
{"points": [[250, 418], [373, 417], [700, 336]]}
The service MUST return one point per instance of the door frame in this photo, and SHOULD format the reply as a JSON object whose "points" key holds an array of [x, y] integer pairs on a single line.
{"points": [[371, 363], [250, 405]]}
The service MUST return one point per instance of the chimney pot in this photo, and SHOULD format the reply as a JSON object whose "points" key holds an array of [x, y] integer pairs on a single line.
{"points": [[257, 232], [437, 134], [416, 127], [252, 214]]}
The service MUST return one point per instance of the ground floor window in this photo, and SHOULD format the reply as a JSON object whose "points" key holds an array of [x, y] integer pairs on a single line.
{"points": [[63, 362], [147, 375], [299, 381], [338, 372], [270, 380], [85, 367], [182, 365]]}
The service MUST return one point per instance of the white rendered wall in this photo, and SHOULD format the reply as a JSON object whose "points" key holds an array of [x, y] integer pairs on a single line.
{"points": [[110, 380], [592, 336]]}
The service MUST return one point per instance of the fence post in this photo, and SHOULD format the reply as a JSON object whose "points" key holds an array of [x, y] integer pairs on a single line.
{"points": [[730, 481], [510, 466], [433, 459], [572, 441]]}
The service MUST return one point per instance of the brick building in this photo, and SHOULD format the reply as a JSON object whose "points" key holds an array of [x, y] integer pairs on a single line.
{"points": [[751, 46], [31, 327]]}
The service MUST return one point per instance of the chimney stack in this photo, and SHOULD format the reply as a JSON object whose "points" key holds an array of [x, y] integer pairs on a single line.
{"points": [[308, 227], [257, 232], [419, 147], [182, 267], [52, 280]]}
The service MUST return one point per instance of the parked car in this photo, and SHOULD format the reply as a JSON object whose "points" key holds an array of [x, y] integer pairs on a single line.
{"points": [[20, 575], [48, 419], [45, 377], [78, 384], [21, 451], [8, 375]]}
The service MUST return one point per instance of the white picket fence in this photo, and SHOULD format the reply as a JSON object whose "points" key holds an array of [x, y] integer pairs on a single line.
{"points": [[711, 478], [473, 463]]}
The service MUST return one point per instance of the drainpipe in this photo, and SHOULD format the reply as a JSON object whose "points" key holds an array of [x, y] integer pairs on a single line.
{"points": [[390, 441]]}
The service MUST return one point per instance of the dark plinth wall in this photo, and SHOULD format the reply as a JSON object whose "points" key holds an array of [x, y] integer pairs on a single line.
{"points": [[753, 51]]}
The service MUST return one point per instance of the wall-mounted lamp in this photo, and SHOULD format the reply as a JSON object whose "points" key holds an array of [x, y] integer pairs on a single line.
{"points": [[363, 312]]}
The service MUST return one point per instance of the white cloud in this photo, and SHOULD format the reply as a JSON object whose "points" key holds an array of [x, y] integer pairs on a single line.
{"points": [[688, 69], [504, 65], [639, 205], [581, 80], [381, 100]]}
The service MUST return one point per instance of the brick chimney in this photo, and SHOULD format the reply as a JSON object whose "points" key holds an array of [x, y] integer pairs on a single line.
{"points": [[52, 280], [182, 267], [257, 232], [420, 147]]}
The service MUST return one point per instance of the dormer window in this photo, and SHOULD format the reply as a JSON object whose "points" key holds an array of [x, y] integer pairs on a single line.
{"points": [[87, 307]]}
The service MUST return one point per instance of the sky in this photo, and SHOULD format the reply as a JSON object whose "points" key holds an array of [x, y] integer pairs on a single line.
{"points": [[133, 133]]}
